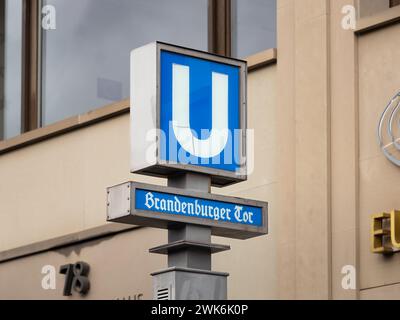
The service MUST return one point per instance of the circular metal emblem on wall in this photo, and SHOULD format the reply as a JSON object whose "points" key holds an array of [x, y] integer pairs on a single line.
{"points": [[389, 130]]}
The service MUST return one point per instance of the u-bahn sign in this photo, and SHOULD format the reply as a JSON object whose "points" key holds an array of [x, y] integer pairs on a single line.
{"points": [[188, 113], [188, 124], [162, 207]]}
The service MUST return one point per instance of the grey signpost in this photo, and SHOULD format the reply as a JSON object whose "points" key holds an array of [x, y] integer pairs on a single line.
{"points": [[166, 81], [189, 252]]}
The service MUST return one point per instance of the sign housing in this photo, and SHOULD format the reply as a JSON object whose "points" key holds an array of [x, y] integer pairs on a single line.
{"points": [[185, 92], [229, 217]]}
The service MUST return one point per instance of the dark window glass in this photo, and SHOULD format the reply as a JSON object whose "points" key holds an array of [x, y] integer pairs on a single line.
{"points": [[253, 26], [394, 3], [85, 59], [372, 7], [10, 67]]}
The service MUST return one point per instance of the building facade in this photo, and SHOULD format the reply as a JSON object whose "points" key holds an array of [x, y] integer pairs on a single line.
{"points": [[321, 73]]}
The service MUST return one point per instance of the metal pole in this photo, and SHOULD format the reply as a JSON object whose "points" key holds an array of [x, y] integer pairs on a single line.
{"points": [[189, 250], [190, 257]]}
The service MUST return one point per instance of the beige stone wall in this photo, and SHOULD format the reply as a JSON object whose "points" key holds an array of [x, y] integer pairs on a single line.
{"points": [[304, 151], [120, 267], [343, 151], [333, 84], [57, 187], [379, 81]]}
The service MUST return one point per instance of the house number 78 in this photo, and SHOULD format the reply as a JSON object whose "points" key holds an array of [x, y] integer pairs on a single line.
{"points": [[76, 278]]}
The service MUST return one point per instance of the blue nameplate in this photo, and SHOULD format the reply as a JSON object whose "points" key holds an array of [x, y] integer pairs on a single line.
{"points": [[163, 207], [198, 208]]}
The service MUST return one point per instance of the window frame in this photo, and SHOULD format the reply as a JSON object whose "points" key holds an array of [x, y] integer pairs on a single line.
{"points": [[30, 66], [220, 27]]}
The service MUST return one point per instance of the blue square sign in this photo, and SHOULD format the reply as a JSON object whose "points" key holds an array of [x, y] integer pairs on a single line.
{"points": [[199, 112], [188, 113]]}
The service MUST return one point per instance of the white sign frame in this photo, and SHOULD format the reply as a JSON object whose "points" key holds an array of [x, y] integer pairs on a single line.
{"points": [[145, 115]]}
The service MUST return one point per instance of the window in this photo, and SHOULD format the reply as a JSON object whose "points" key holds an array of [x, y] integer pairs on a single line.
{"points": [[85, 60], [60, 58], [253, 26], [394, 3], [10, 67], [371, 7]]}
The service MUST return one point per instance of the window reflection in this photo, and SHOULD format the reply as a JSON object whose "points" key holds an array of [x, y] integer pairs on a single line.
{"points": [[10, 67], [85, 60], [253, 26]]}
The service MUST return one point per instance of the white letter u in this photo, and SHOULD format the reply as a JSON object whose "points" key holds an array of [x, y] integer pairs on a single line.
{"points": [[216, 142]]}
